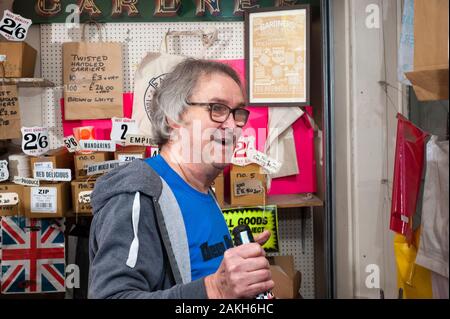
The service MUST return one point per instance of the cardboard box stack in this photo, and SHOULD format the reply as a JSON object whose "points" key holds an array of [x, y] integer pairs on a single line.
{"points": [[287, 279], [247, 185], [20, 59]]}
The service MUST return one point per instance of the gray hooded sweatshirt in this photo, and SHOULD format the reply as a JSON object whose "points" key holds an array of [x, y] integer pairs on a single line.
{"points": [[138, 246]]}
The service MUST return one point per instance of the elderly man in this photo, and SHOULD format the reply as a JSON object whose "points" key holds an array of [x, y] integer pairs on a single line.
{"points": [[157, 230]]}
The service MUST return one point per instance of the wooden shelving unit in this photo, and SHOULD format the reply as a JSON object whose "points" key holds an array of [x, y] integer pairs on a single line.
{"points": [[27, 82], [290, 201]]}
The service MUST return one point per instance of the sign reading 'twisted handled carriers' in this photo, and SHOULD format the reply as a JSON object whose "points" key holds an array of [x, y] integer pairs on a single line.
{"points": [[258, 218]]}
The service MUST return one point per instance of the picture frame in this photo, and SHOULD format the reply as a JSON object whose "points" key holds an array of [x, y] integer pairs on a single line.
{"points": [[277, 53]]}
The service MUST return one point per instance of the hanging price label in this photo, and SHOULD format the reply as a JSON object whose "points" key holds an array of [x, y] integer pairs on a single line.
{"points": [[34, 140], [4, 172], [70, 142], [9, 199], [270, 165], [84, 197], [14, 27], [121, 127]]}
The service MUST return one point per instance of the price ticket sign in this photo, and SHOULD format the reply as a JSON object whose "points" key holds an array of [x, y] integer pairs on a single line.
{"points": [[258, 218], [14, 27], [121, 127], [34, 140], [70, 142]]}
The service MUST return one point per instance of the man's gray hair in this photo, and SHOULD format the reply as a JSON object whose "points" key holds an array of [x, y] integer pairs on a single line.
{"points": [[169, 99]]}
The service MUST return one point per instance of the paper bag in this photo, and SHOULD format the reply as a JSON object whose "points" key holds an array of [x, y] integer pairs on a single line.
{"points": [[152, 70], [10, 122], [92, 79]]}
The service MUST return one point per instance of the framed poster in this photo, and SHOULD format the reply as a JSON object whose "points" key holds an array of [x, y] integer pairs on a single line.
{"points": [[277, 56]]}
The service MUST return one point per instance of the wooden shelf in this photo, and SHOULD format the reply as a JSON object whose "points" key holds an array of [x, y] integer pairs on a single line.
{"points": [[27, 82], [290, 201]]}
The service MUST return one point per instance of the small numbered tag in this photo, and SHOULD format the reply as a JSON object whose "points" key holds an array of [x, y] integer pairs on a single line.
{"points": [[14, 27], [4, 172], [154, 151], [121, 127], [34, 140], [71, 143], [9, 199]]}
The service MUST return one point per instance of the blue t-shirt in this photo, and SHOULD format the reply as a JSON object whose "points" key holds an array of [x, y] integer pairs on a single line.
{"points": [[206, 229]]}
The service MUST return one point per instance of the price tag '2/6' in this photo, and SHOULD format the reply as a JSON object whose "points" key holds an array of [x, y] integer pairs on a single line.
{"points": [[121, 127], [35, 140], [14, 27]]}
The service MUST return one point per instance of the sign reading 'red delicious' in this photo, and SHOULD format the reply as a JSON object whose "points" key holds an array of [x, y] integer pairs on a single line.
{"points": [[54, 11]]}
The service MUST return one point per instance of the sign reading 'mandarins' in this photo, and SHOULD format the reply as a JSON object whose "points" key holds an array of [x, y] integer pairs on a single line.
{"points": [[61, 11]]}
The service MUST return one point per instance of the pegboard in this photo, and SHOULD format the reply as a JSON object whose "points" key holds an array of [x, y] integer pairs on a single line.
{"points": [[138, 39]]}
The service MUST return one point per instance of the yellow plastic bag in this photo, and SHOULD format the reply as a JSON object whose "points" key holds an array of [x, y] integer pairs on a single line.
{"points": [[413, 279]]}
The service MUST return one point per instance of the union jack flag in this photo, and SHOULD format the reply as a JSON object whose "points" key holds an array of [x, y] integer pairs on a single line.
{"points": [[32, 255]]}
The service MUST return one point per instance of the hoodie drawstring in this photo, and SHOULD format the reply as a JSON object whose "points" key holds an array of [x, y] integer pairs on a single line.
{"points": [[134, 247]]}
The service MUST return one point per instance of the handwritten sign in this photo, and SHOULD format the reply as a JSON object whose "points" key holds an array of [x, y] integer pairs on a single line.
{"points": [[9, 112], [92, 80], [258, 218], [248, 187]]}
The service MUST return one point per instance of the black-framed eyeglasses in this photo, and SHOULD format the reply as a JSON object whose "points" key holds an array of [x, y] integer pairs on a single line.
{"points": [[220, 112]]}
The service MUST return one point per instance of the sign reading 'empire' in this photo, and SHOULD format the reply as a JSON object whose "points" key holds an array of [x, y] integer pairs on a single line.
{"points": [[54, 11]]}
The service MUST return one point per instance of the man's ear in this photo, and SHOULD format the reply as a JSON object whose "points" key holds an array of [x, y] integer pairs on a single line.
{"points": [[172, 124]]}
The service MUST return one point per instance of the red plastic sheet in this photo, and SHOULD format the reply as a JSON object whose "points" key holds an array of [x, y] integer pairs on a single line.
{"points": [[408, 171]]}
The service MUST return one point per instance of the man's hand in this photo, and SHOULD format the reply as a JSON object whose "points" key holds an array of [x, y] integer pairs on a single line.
{"points": [[243, 273]]}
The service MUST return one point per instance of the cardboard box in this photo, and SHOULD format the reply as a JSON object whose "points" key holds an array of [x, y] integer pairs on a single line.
{"points": [[20, 60], [247, 185], [129, 153], [81, 160], [430, 75], [59, 158], [81, 190], [218, 188], [11, 210], [49, 200], [287, 279]]}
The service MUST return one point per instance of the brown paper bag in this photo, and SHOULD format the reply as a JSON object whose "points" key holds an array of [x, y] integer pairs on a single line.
{"points": [[10, 122], [93, 79]]}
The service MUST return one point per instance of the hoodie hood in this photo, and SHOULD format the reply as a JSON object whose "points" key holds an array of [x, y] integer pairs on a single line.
{"points": [[136, 176]]}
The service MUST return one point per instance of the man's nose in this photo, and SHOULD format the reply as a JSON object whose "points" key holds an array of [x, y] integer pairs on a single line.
{"points": [[229, 123]]}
